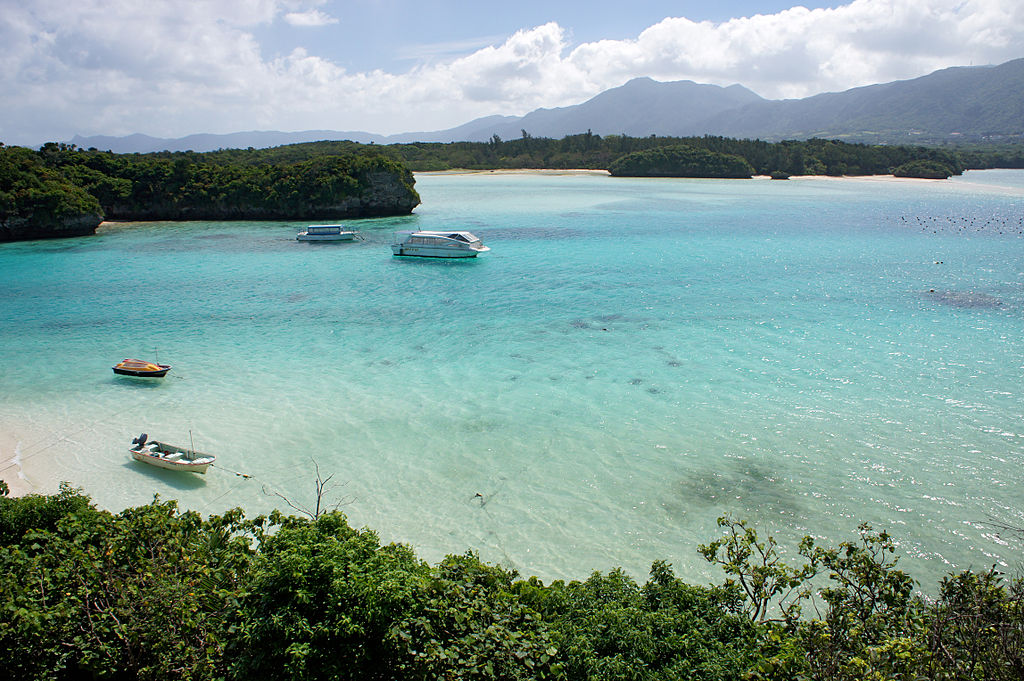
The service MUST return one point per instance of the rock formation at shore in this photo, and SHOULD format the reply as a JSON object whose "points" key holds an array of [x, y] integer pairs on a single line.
{"points": [[28, 228]]}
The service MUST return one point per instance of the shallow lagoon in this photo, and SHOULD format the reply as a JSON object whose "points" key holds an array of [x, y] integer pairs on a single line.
{"points": [[632, 359]]}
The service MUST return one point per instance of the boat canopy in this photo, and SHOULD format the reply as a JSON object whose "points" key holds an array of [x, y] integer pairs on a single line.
{"points": [[465, 237], [138, 364]]}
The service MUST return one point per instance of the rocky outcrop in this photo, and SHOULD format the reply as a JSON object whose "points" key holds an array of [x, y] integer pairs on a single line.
{"points": [[387, 194], [27, 228]]}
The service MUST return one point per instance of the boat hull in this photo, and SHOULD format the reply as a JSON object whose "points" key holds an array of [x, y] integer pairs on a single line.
{"points": [[160, 373], [344, 236], [172, 458], [435, 251]]}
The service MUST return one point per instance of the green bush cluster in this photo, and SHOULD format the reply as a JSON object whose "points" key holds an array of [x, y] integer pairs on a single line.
{"points": [[32, 191], [681, 160], [925, 169], [157, 593]]}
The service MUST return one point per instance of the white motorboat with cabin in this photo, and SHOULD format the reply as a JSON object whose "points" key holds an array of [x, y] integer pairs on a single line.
{"points": [[327, 233], [171, 457], [426, 244]]}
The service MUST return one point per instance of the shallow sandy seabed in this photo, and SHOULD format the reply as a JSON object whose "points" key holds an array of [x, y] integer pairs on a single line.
{"points": [[589, 171], [24, 476], [30, 455]]}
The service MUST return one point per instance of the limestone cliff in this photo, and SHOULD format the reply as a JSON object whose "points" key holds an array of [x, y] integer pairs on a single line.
{"points": [[34, 227]]}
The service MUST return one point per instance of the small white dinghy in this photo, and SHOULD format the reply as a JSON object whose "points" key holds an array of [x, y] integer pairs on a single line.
{"points": [[171, 457]]}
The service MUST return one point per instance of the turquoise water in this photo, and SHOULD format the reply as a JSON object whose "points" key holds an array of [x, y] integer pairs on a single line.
{"points": [[632, 359]]}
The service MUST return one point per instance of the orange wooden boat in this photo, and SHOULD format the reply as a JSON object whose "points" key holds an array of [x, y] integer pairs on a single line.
{"points": [[140, 367]]}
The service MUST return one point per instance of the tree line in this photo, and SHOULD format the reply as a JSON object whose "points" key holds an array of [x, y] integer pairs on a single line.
{"points": [[590, 151], [62, 183], [153, 592]]}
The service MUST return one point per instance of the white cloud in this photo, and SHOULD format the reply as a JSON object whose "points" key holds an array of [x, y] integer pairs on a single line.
{"points": [[309, 18], [431, 51], [175, 67], [799, 52]]}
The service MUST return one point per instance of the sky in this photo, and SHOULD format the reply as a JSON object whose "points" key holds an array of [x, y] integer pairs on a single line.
{"points": [[171, 68]]}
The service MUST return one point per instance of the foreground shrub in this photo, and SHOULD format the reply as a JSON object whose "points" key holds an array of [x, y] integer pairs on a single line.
{"points": [[608, 627], [145, 594], [155, 593], [320, 602], [469, 623]]}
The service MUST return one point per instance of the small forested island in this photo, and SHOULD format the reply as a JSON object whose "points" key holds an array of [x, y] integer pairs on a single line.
{"points": [[152, 592], [61, 190], [681, 161], [928, 169]]}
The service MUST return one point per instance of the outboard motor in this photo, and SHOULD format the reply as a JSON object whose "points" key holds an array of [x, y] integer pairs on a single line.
{"points": [[140, 440]]}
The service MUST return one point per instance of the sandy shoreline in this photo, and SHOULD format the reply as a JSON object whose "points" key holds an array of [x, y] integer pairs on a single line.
{"points": [[12, 470], [515, 171], [605, 173], [34, 456]]}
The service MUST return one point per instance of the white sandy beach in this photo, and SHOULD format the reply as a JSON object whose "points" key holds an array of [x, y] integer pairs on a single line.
{"points": [[516, 171], [588, 171], [25, 475]]}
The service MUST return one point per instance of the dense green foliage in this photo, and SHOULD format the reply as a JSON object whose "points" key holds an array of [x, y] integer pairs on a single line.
{"points": [[156, 593], [60, 183], [236, 185], [681, 161], [32, 190], [36, 512], [807, 157], [982, 156], [930, 170]]}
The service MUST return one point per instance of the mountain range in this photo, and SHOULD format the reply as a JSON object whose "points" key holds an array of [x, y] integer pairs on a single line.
{"points": [[967, 103]]}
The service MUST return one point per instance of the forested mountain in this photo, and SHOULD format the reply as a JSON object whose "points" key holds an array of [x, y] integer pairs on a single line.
{"points": [[978, 103], [970, 103], [639, 108]]}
